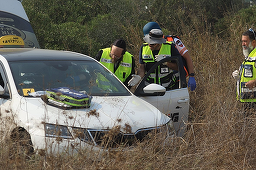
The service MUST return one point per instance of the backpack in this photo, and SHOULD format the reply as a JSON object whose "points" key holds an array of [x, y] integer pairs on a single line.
{"points": [[170, 37], [64, 96]]}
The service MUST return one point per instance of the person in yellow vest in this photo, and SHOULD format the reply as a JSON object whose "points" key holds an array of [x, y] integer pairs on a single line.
{"points": [[246, 75], [118, 60], [155, 49], [186, 58]]}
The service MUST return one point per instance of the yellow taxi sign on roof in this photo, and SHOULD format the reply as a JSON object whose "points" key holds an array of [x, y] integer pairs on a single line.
{"points": [[11, 41]]}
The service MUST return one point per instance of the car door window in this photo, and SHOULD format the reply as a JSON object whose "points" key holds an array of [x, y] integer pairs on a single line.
{"points": [[11, 24], [176, 79]]}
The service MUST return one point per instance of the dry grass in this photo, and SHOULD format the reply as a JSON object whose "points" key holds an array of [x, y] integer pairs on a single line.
{"points": [[218, 135]]}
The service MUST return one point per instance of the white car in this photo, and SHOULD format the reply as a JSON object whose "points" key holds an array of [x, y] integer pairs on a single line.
{"points": [[174, 102], [28, 111], [32, 112]]}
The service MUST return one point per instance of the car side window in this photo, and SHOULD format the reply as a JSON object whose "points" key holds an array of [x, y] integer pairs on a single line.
{"points": [[171, 75]]}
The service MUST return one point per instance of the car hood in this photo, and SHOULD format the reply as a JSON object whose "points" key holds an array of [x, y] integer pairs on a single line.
{"points": [[128, 112]]}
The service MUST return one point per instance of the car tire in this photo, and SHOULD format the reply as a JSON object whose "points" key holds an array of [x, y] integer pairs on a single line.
{"points": [[21, 144]]}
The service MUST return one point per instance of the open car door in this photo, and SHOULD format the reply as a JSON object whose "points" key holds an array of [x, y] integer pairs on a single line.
{"points": [[173, 102]]}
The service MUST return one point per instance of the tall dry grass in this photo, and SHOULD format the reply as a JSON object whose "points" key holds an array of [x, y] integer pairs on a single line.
{"points": [[218, 134]]}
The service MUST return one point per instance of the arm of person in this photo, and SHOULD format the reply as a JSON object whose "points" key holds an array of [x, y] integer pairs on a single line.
{"points": [[171, 65], [188, 59], [191, 80], [251, 84], [130, 76], [141, 70], [137, 77], [184, 52], [98, 56]]}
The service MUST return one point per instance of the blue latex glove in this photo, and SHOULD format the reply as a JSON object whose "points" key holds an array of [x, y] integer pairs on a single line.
{"points": [[192, 83]]}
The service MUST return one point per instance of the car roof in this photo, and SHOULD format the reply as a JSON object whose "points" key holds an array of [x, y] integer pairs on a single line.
{"points": [[26, 54]]}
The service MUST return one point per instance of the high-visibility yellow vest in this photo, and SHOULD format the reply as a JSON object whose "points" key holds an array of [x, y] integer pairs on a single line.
{"points": [[163, 75], [125, 67], [247, 73]]}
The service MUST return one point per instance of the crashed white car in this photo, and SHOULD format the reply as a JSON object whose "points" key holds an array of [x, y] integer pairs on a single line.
{"points": [[34, 105], [109, 116]]}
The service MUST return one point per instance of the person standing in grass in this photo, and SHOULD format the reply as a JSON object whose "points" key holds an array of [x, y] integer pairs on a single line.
{"points": [[187, 60], [246, 75], [155, 49], [118, 60]]}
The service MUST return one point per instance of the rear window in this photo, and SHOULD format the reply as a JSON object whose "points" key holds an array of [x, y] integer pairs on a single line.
{"points": [[11, 24]]}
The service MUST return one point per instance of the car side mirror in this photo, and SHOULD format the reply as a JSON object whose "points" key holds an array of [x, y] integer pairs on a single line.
{"points": [[154, 89]]}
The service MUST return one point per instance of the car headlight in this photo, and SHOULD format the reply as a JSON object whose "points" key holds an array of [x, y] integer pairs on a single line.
{"points": [[57, 131], [170, 128]]}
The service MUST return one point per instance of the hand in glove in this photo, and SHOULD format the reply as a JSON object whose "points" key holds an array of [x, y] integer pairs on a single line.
{"points": [[192, 83], [235, 74], [159, 57], [134, 80]]}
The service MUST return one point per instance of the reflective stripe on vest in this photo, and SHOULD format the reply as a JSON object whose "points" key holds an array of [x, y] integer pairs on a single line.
{"points": [[125, 67]]}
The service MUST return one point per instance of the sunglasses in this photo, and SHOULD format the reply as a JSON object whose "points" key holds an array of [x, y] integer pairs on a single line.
{"points": [[113, 55], [251, 30]]}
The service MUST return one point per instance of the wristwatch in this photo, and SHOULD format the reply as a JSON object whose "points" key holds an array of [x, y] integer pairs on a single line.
{"points": [[192, 74]]}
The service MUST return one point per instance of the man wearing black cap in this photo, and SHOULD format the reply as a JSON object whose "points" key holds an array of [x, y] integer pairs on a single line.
{"points": [[118, 60], [155, 49]]}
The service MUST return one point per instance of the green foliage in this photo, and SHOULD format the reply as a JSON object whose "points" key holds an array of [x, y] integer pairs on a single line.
{"points": [[67, 36], [87, 26], [63, 24], [179, 16], [103, 30], [246, 17], [67, 11], [234, 24]]}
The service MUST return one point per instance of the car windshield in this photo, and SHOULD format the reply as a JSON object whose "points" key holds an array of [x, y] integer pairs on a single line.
{"points": [[87, 76]]}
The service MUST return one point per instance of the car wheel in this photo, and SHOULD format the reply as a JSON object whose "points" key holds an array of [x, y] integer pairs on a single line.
{"points": [[21, 144]]}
